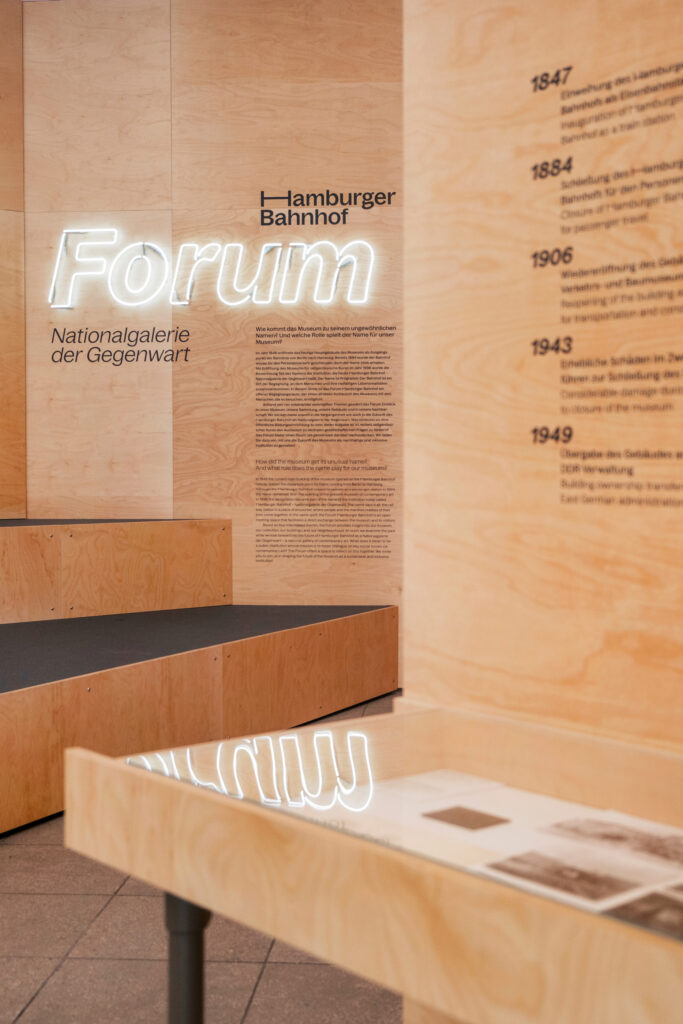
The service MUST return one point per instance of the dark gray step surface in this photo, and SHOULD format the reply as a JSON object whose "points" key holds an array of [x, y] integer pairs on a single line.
{"points": [[32, 653]]}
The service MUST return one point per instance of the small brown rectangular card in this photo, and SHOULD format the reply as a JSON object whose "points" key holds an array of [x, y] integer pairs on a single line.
{"points": [[466, 817]]}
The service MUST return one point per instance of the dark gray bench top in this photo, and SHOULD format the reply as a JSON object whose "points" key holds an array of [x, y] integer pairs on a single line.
{"points": [[32, 653]]}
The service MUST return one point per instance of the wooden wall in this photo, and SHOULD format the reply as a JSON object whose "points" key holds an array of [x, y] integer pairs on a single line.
{"points": [[527, 595], [174, 117], [98, 143], [12, 374]]}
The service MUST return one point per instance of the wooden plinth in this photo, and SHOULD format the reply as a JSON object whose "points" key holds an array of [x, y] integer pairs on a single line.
{"points": [[64, 570], [269, 678]]}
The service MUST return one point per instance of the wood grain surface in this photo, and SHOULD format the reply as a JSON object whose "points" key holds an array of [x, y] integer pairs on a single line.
{"points": [[116, 711], [11, 107], [566, 764], [31, 732], [285, 678], [12, 351], [64, 571], [321, 111], [98, 130], [334, 46], [519, 603], [30, 568], [588, 770], [12, 367], [414, 1013], [119, 710], [214, 404], [99, 435], [464, 946], [98, 136], [131, 567], [188, 698], [223, 102]]}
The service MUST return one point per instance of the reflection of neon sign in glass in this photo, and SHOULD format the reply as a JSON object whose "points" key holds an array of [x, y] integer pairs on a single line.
{"points": [[280, 772], [141, 272]]}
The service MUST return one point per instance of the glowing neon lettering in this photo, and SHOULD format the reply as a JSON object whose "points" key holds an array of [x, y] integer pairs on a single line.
{"points": [[327, 262], [298, 791], [140, 272], [194, 777], [184, 273], [227, 288], [126, 285], [251, 749], [72, 262], [285, 773]]}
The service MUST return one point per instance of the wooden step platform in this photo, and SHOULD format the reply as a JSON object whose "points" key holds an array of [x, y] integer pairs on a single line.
{"points": [[55, 569], [119, 684]]}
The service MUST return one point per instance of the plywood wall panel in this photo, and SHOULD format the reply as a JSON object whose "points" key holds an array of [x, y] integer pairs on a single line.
{"points": [[12, 354], [154, 704], [97, 155], [283, 679], [213, 394], [65, 571], [135, 707], [129, 567], [12, 367], [233, 138], [519, 599], [266, 96], [99, 435], [216, 447], [31, 726], [296, 41], [271, 97], [30, 571], [97, 105], [11, 107]]}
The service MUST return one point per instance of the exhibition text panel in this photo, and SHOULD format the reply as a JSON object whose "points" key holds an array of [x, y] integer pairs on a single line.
{"points": [[611, 252]]}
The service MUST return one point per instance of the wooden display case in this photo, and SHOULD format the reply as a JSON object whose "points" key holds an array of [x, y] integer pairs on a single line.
{"points": [[372, 884]]}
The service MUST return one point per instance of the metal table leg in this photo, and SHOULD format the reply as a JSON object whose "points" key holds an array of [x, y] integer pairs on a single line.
{"points": [[185, 924]]}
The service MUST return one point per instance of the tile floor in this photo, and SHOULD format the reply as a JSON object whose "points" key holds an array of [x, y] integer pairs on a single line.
{"points": [[83, 944]]}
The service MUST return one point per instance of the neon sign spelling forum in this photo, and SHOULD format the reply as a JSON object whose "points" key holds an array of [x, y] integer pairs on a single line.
{"points": [[139, 273]]}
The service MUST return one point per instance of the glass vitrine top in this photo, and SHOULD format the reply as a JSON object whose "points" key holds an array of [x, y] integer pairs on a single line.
{"points": [[392, 780]]}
